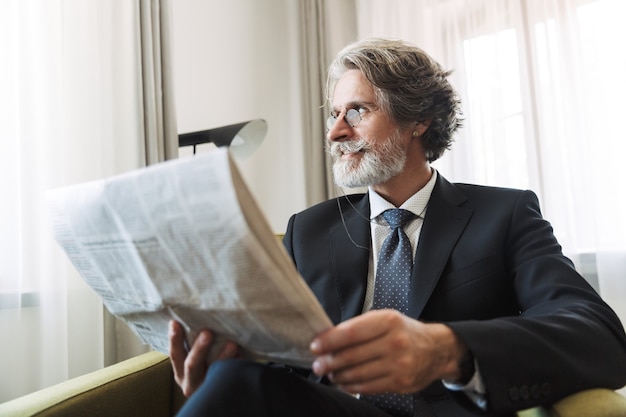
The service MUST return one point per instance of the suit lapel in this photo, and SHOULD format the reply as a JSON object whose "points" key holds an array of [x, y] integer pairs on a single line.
{"points": [[443, 225], [350, 241]]}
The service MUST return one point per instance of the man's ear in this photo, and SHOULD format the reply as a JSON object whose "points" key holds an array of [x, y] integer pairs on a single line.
{"points": [[420, 128]]}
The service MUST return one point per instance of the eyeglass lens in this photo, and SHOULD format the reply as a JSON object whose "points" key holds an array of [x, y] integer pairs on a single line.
{"points": [[352, 117]]}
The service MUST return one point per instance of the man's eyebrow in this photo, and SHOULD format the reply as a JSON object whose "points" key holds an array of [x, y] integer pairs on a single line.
{"points": [[356, 103]]}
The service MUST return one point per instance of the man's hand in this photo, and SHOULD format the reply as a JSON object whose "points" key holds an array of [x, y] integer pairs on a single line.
{"points": [[385, 351], [190, 367]]}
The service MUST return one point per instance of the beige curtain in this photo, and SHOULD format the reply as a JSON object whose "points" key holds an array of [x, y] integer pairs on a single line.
{"points": [[327, 26], [73, 108], [313, 47], [160, 134]]}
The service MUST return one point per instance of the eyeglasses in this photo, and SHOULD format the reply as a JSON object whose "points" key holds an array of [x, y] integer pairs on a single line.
{"points": [[352, 117]]}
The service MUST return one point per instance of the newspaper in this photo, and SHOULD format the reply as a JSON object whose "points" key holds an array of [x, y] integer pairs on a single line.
{"points": [[185, 240]]}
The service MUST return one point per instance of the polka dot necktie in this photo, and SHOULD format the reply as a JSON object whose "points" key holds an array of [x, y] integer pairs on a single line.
{"points": [[393, 274]]}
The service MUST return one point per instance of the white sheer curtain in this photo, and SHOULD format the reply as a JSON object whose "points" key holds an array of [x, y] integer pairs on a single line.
{"points": [[543, 87], [71, 110]]}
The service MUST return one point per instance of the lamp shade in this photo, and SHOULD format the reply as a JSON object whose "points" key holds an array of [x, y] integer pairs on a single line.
{"points": [[242, 138]]}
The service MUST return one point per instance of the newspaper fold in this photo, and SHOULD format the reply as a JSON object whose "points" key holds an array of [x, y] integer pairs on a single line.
{"points": [[185, 240]]}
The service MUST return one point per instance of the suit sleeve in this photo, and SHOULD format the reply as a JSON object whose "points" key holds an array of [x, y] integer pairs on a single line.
{"points": [[565, 338]]}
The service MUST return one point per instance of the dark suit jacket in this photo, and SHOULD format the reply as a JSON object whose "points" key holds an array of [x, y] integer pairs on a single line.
{"points": [[489, 266]]}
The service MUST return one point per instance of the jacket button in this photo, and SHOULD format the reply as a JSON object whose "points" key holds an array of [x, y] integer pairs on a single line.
{"points": [[546, 389], [514, 393], [524, 392], [535, 391]]}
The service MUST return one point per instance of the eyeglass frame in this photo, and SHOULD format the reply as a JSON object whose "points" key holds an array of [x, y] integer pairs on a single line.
{"points": [[351, 116]]}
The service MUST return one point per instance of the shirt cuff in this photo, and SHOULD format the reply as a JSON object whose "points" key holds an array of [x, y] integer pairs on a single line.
{"points": [[474, 388]]}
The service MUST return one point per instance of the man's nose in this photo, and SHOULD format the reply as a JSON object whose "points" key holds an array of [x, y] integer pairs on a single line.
{"points": [[340, 130]]}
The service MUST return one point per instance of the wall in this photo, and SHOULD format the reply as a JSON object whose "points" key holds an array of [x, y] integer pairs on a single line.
{"points": [[236, 61]]}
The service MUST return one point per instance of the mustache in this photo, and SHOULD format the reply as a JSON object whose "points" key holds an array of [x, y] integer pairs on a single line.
{"points": [[336, 149]]}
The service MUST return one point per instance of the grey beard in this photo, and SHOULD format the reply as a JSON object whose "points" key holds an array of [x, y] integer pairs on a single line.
{"points": [[376, 165]]}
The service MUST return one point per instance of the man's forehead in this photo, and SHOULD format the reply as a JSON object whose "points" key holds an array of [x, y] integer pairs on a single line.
{"points": [[353, 89]]}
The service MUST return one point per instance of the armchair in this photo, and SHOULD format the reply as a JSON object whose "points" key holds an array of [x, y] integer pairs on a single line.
{"points": [[144, 386], [140, 386]]}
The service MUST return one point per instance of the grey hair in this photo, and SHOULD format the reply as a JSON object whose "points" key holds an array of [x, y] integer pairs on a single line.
{"points": [[410, 87]]}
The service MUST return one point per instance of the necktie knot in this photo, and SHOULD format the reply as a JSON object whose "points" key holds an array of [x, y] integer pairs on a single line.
{"points": [[397, 217]]}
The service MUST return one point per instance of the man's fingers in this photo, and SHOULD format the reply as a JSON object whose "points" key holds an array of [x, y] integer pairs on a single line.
{"points": [[231, 350], [349, 357], [196, 362], [356, 330], [177, 350], [189, 366]]}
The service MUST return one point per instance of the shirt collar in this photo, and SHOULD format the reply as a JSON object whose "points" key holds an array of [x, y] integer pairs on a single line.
{"points": [[416, 203]]}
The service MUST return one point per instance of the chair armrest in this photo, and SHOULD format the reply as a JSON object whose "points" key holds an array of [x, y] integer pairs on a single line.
{"points": [[592, 403], [599, 402], [140, 386]]}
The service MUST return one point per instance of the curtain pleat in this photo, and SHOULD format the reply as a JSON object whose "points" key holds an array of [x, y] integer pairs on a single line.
{"points": [[323, 35], [160, 134], [313, 58]]}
